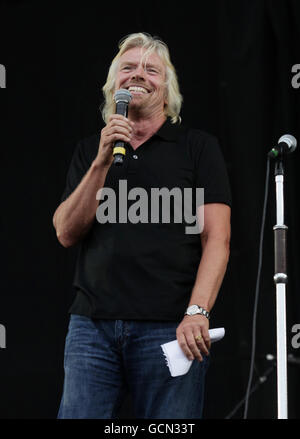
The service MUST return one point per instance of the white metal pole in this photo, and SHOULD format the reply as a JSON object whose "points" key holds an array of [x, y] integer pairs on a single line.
{"points": [[282, 404], [280, 279]]}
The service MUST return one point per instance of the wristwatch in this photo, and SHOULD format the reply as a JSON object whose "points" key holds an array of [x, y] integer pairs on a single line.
{"points": [[195, 309]]}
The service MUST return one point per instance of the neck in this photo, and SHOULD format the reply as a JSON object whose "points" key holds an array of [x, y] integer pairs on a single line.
{"points": [[145, 127]]}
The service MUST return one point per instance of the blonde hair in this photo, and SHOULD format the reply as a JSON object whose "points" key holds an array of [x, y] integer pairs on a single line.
{"points": [[151, 44]]}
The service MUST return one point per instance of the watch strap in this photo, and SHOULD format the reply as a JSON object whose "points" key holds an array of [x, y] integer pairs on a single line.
{"points": [[202, 311]]}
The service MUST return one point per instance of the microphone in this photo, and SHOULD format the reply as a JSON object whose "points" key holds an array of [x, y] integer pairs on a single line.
{"points": [[286, 145], [122, 98]]}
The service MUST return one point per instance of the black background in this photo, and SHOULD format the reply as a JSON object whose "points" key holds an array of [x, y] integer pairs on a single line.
{"points": [[234, 61]]}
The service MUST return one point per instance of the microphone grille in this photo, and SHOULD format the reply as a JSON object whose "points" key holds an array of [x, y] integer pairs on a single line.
{"points": [[289, 140], [122, 95]]}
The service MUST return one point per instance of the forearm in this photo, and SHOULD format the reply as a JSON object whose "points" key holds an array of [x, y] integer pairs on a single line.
{"points": [[210, 273], [73, 217]]}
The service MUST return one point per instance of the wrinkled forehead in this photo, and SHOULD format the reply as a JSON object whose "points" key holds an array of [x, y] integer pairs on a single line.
{"points": [[137, 55]]}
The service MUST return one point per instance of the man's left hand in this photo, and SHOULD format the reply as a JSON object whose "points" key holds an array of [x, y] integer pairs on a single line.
{"points": [[193, 336]]}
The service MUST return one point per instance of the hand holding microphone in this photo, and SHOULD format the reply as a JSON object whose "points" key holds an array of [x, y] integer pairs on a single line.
{"points": [[122, 99], [115, 135]]}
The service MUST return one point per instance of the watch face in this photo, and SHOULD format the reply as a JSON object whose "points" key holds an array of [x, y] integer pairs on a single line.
{"points": [[192, 309]]}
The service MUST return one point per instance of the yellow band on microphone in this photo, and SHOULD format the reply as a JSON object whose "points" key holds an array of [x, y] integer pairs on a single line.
{"points": [[119, 150]]}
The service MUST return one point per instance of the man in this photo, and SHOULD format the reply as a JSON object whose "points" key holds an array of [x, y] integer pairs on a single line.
{"points": [[135, 280]]}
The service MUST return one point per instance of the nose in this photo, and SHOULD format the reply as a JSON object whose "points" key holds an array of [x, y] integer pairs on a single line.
{"points": [[138, 73]]}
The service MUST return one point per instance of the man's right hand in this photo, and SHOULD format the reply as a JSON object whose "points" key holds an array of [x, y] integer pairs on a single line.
{"points": [[117, 128]]}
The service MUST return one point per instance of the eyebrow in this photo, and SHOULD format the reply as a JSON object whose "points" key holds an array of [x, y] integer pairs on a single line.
{"points": [[130, 63], [127, 63]]}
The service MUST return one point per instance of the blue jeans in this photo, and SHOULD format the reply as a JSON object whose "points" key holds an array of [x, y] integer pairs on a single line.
{"points": [[106, 358]]}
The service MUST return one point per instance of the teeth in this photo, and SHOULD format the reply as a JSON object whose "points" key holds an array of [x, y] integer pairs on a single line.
{"points": [[138, 89]]}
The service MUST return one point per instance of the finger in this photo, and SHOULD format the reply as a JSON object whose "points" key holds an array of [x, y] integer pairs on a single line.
{"points": [[119, 118], [201, 343], [116, 124], [116, 136], [198, 338], [193, 346], [111, 130], [108, 142], [206, 338], [118, 131], [183, 344], [117, 127]]}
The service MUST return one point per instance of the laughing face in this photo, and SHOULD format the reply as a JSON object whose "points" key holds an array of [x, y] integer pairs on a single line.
{"points": [[144, 77]]}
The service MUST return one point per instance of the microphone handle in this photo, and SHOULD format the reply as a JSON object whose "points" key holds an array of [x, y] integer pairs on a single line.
{"points": [[119, 150]]}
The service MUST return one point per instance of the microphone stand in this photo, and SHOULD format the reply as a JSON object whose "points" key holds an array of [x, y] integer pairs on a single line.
{"points": [[280, 279]]}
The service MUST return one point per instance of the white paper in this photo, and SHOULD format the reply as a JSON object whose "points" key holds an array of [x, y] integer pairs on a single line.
{"points": [[177, 361]]}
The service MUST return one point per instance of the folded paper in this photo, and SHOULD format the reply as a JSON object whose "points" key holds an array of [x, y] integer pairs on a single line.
{"points": [[177, 361]]}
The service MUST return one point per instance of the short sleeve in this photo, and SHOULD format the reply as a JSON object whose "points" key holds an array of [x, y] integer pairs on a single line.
{"points": [[211, 171], [78, 168]]}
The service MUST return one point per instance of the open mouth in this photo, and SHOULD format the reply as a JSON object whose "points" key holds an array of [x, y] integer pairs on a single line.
{"points": [[137, 89]]}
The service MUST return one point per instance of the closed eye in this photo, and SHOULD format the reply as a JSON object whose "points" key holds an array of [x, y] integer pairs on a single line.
{"points": [[126, 68], [151, 70]]}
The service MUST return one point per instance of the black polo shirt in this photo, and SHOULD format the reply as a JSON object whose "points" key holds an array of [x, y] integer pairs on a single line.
{"points": [[145, 270]]}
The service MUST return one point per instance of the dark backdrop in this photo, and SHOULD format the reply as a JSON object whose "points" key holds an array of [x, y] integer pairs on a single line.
{"points": [[234, 61]]}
